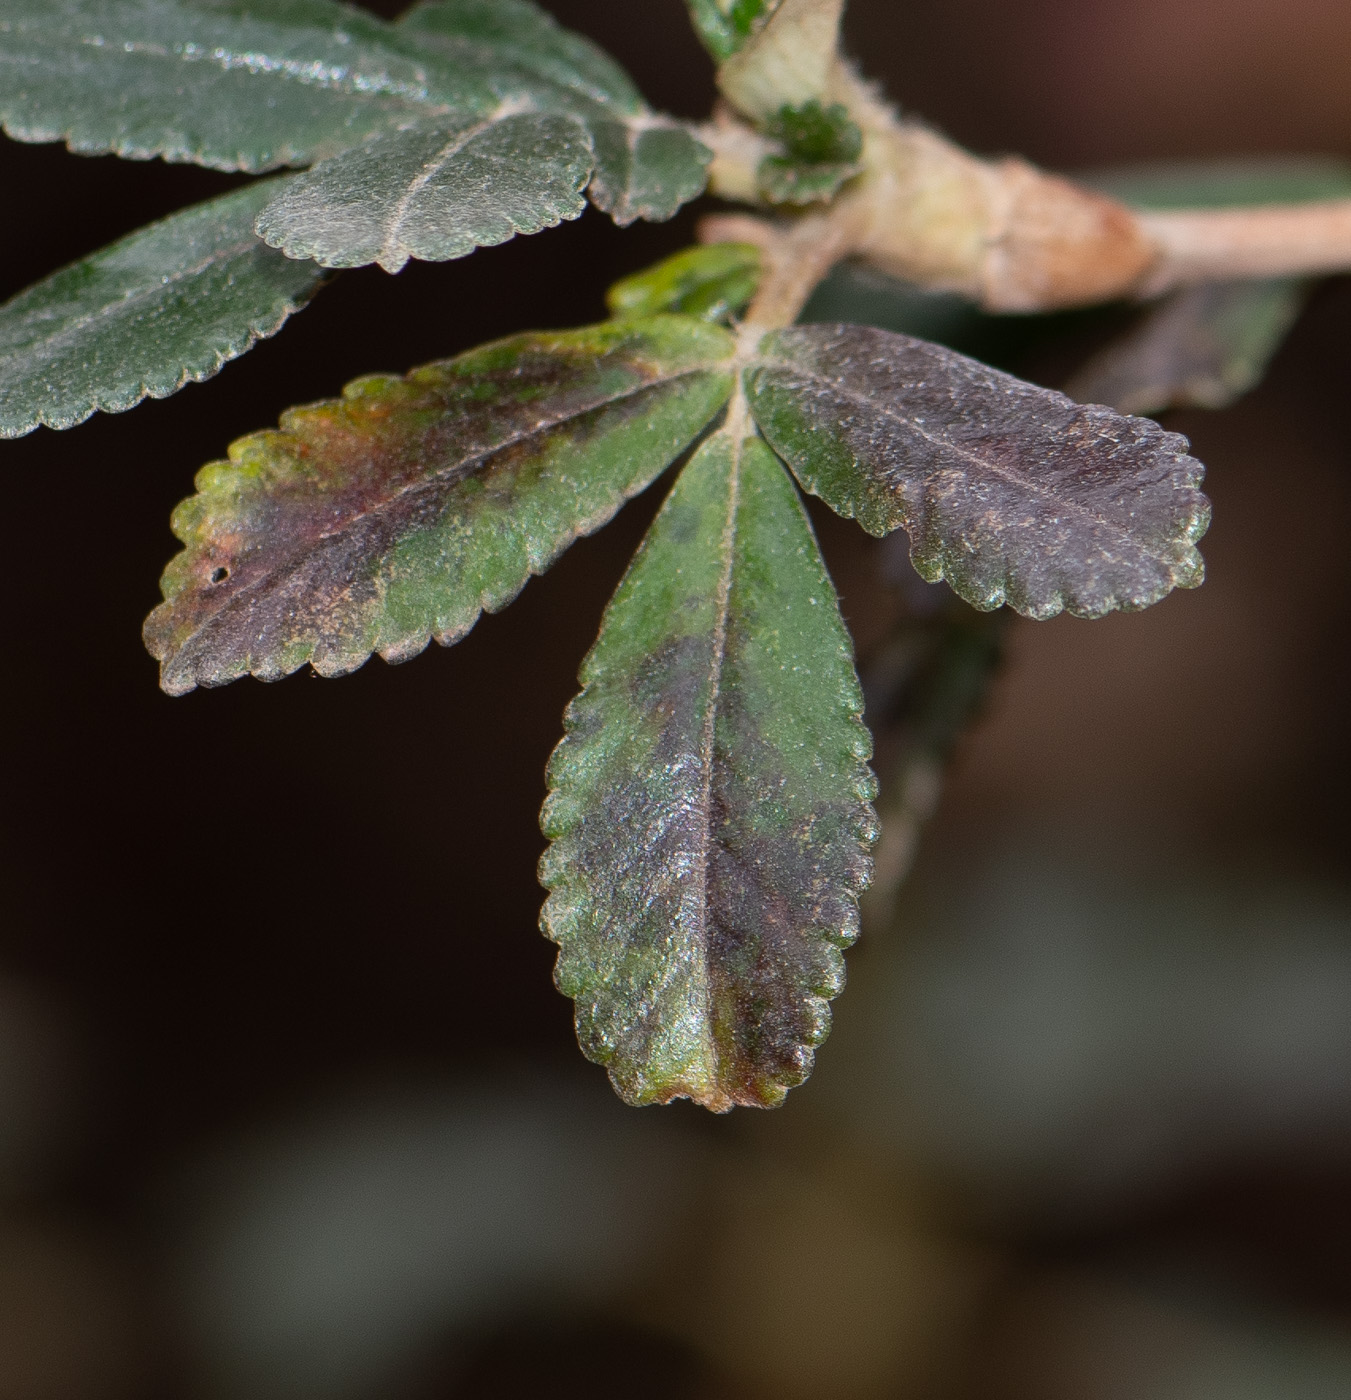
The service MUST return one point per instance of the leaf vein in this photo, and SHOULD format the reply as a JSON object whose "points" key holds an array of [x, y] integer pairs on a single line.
{"points": [[736, 426], [1013, 479], [146, 293], [448, 476], [452, 148]]}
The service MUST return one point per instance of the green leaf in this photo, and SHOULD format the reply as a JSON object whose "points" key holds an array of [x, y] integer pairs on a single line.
{"points": [[813, 134], [239, 86], [1202, 347], [646, 166], [167, 305], [726, 25], [437, 191], [782, 180], [710, 806], [1205, 184], [531, 39], [1012, 493], [224, 83], [398, 513], [822, 146], [714, 282]]}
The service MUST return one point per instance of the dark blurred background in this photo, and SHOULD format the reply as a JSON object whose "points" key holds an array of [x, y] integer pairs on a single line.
{"points": [[289, 1108]]}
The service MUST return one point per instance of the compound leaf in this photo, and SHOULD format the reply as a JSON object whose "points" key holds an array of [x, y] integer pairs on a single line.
{"points": [[224, 83], [646, 166], [398, 513], [167, 305], [1012, 493], [715, 282], [710, 806], [435, 192], [238, 86]]}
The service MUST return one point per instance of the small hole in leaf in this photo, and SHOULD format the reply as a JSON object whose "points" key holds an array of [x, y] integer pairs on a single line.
{"points": [[219, 574]]}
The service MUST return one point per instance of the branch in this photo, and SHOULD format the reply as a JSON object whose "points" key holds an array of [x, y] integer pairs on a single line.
{"points": [[798, 259], [1005, 234], [1278, 240]]}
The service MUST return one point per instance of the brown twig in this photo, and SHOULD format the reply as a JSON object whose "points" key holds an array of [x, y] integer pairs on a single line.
{"points": [[1206, 245], [1004, 233], [800, 258]]}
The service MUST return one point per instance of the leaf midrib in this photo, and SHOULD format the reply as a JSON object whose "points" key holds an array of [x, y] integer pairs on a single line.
{"points": [[352, 79], [708, 735], [1012, 478], [462, 470], [392, 245], [136, 298]]}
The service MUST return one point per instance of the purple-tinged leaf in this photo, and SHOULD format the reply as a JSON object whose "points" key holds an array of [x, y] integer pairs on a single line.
{"points": [[1013, 493], [710, 806], [401, 511], [1202, 347]]}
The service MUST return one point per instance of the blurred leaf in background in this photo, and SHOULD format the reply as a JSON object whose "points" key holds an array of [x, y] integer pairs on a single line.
{"points": [[1205, 346]]}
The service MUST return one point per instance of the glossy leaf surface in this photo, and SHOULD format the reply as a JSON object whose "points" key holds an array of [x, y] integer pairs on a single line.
{"points": [[168, 305], [714, 282], [1012, 493], [398, 513], [242, 86], [223, 83], [710, 806], [434, 192]]}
